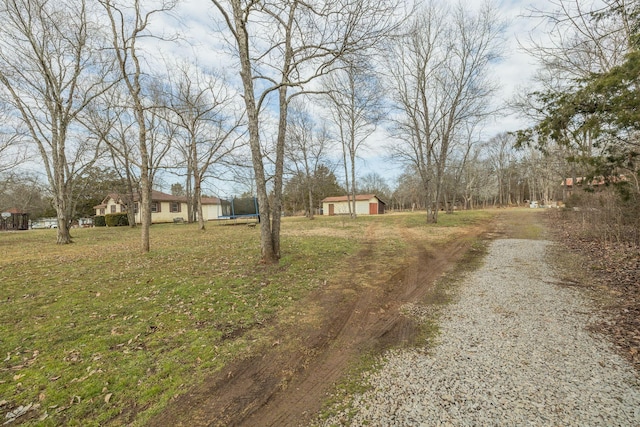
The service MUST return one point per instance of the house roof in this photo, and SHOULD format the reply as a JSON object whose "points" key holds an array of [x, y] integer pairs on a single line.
{"points": [[359, 197], [158, 196], [211, 201], [599, 180], [15, 211]]}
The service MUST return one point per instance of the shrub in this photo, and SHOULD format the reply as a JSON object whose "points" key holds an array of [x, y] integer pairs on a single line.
{"points": [[575, 200], [116, 219], [609, 214], [99, 221]]}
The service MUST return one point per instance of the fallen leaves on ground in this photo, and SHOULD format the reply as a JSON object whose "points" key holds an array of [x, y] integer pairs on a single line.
{"points": [[616, 268]]}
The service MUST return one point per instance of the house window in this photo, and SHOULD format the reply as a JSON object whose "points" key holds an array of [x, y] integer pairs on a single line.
{"points": [[155, 207], [175, 206], [101, 211], [135, 207], [113, 208], [123, 208]]}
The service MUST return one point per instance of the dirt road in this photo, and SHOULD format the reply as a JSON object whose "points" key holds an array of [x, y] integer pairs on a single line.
{"points": [[514, 349], [286, 384]]}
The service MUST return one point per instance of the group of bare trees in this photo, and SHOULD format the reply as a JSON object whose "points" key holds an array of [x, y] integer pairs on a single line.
{"points": [[284, 49], [430, 86], [82, 84], [355, 106], [50, 71], [442, 88], [208, 130], [79, 88], [581, 109], [306, 150], [92, 91], [492, 173]]}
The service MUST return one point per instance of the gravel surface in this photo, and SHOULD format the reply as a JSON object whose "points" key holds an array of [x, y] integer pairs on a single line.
{"points": [[513, 350]]}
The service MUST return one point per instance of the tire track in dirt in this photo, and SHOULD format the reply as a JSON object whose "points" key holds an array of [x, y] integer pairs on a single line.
{"points": [[286, 385]]}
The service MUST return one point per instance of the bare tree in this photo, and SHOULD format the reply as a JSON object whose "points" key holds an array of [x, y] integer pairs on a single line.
{"points": [[356, 108], [462, 151], [374, 183], [440, 70], [306, 147], [283, 46], [51, 69], [203, 109], [130, 23], [12, 141], [580, 37], [112, 125], [500, 150]]}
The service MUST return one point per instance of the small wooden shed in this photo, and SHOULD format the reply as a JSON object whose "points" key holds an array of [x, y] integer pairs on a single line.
{"points": [[366, 204]]}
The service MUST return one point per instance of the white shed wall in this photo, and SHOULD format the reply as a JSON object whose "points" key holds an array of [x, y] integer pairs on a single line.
{"points": [[342, 208]]}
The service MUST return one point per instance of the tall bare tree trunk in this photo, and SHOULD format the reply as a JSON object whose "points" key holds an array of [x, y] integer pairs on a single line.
{"points": [[145, 186], [63, 236], [276, 206], [310, 195], [267, 250]]}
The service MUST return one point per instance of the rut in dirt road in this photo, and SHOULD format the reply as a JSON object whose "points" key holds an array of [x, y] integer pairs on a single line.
{"points": [[287, 384]]}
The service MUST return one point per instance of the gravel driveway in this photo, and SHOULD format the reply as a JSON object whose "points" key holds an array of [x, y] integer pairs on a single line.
{"points": [[514, 351]]}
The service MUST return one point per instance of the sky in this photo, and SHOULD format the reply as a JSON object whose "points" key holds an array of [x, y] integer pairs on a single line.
{"points": [[194, 20], [513, 72]]}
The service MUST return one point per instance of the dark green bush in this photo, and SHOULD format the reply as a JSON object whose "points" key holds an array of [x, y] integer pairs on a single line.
{"points": [[116, 219], [575, 200], [99, 221]]}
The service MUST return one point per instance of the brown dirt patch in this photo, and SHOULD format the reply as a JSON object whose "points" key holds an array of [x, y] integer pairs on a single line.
{"points": [[287, 381]]}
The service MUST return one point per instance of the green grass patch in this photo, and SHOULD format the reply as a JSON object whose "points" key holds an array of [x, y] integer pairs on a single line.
{"points": [[96, 333], [96, 318], [455, 219]]}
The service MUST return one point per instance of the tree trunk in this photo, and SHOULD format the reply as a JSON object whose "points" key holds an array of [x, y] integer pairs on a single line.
{"points": [[354, 213], [63, 233], [201, 221], [346, 177], [145, 211], [197, 197], [131, 213], [276, 206], [61, 199], [438, 193], [193, 192], [311, 207], [268, 253]]}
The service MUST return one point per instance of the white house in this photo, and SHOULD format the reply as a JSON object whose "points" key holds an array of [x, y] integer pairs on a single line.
{"points": [[366, 204], [164, 207]]}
